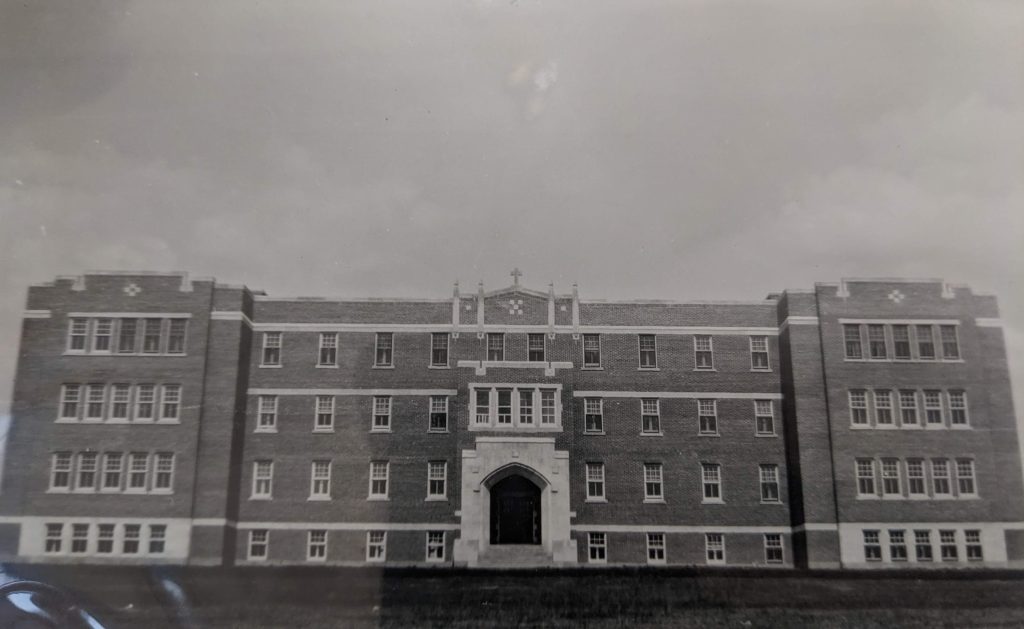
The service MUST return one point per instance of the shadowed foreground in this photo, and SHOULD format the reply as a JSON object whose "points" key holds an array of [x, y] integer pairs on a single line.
{"points": [[362, 597]]}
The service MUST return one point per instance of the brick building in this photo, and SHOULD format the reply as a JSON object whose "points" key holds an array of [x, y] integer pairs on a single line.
{"points": [[162, 419]]}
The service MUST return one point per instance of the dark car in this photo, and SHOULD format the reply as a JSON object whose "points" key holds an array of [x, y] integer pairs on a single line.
{"points": [[30, 604]]}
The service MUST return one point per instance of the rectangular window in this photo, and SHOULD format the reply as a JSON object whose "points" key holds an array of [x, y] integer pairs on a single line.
{"points": [[438, 413], [113, 464], [592, 350], [381, 413], [891, 477], [379, 479], [865, 477], [593, 415], [652, 482], [933, 408], [495, 346], [526, 407], [897, 545], [54, 537], [504, 407], [714, 548], [908, 407], [437, 479], [120, 397], [316, 545], [152, 330], [859, 407], [103, 329], [872, 546], [764, 417], [707, 417], [851, 336], [87, 463], [145, 402], [126, 340], [883, 408], [60, 474], [69, 398], [328, 354], [901, 342], [171, 402], [157, 538], [972, 540], [483, 407], [435, 545], [320, 479], [759, 353], [383, 355], [595, 481], [267, 413], [271, 349], [876, 342], [138, 472], [925, 342], [259, 543], [950, 344], [958, 408], [648, 351], [703, 356], [176, 336], [940, 478], [535, 348], [105, 539], [262, 479], [769, 483], [597, 547], [376, 545], [163, 477], [655, 548], [324, 413], [78, 333], [547, 407], [915, 478], [439, 349], [79, 538], [711, 482], [947, 546], [965, 483], [95, 401], [650, 422], [773, 548], [130, 543], [923, 545]]}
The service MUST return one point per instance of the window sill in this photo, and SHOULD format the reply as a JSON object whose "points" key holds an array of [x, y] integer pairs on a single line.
{"points": [[261, 497], [438, 366], [325, 431], [593, 432], [270, 366], [319, 499], [860, 426], [769, 370], [436, 499], [771, 502], [597, 500], [58, 491], [652, 434], [886, 427], [766, 435], [648, 369], [327, 367], [708, 434], [380, 431], [383, 367], [704, 369], [591, 368], [911, 427], [437, 431], [66, 420], [712, 502], [378, 499], [654, 501], [266, 431]]}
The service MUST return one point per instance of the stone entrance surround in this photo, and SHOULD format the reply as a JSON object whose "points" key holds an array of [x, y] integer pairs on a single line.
{"points": [[497, 458]]}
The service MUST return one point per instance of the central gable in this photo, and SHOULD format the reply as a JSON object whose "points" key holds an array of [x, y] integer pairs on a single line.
{"points": [[515, 306]]}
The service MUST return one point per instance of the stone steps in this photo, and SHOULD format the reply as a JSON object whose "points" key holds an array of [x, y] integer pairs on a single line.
{"points": [[515, 556]]}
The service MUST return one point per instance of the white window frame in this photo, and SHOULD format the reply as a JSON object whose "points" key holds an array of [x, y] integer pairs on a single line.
{"points": [[145, 394], [381, 409], [714, 549], [87, 463], [768, 474], [262, 474], [646, 412], [545, 403], [170, 396], [372, 554], [916, 472], [113, 463], [931, 401], [53, 535], [432, 477], [657, 548], [699, 349], [966, 470], [163, 464], [120, 395], [958, 406], [437, 405], [76, 333], [138, 467], [170, 335], [316, 544], [654, 476], [323, 406], [860, 466], [70, 393], [711, 478], [597, 541], [640, 351], [774, 541], [436, 551], [328, 344], [495, 336], [759, 414], [62, 463], [90, 400], [587, 365], [702, 413], [938, 464], [266, 413], [594, 473], [380, 351], [320, 478], [272, 340], [102, 328], [258, 538], [588, 408], [530, 338], [447, 350], [911, 410], [147, 328], [376, 476], [883, 401], [157, 542], [754, 350], [872, 539]]}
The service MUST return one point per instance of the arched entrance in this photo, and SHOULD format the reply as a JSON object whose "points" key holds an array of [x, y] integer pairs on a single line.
{"points": [[515, 511]]}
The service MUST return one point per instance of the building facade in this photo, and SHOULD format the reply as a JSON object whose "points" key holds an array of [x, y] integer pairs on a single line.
{"points": [[162, 419]]}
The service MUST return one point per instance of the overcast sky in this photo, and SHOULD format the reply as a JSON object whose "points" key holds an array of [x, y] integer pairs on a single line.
{"points": [[674, 150]]}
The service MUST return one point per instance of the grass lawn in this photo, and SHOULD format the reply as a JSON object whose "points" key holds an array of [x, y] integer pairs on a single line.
{"points": [[365, 597]]}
